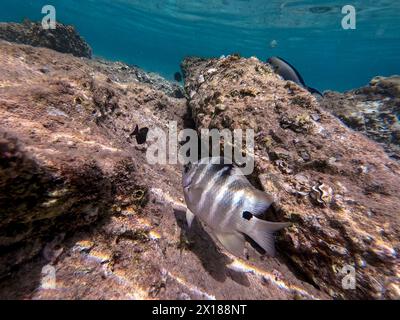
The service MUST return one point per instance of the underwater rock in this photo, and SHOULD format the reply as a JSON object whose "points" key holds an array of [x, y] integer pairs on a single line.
{"points": [[123, 73], [79, 200], [63, 39], [373, 110], [339, 188], [63, 158]]}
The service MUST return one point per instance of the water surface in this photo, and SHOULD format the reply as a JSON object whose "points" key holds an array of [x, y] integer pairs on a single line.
{"points": [[156, 34]]}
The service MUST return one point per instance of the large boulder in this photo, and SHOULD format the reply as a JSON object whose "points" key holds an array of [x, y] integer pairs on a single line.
{"points": [[63, 38], [83, 213], [373, 110], [338, 188], [67, 153]]}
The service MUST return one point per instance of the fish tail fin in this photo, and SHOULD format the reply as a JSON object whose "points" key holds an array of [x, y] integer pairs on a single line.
{"points": [[262, 232], [314, 91]]}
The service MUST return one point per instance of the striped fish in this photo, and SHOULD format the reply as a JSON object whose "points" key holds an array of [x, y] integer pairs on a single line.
{"points": [[221, 197]]}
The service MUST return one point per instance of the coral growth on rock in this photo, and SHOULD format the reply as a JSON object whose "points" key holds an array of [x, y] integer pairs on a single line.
{"points": [[78, 197], [373, 110], [338, 188], [63, 38], [121, 72]]}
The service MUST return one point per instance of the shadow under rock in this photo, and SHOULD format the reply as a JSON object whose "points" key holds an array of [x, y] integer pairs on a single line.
{"points": [[203, 246]]}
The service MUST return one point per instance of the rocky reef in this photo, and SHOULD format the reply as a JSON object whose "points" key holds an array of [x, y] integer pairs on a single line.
{"points": [[338, 188], [124, 73], [79, 200], [373, 110], [78, 196], [63, 38]]}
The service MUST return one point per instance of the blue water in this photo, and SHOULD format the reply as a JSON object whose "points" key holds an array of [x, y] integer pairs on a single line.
{"points": [[156, 34]]}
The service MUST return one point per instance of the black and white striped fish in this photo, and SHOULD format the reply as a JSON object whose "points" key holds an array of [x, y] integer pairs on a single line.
{"points": [[221, 197]]}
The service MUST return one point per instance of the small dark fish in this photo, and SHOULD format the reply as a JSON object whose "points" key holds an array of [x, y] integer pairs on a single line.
{"points": [[220, 196], [288, 72], [141, 135], [178, 76]]}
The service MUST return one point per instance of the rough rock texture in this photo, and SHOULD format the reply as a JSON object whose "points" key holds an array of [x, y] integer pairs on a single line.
{"points": [[121, 72], [340, 189], [63, 39], [78, 199], [373, 110]]}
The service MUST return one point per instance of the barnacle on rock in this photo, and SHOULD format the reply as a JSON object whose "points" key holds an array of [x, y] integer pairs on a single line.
{"points": [[301, 184], [283, 166], [300, 124], [262, 69], [279, 153], [248, 92], [302, 101], [245, 92], [303, 120], [304, 155], [268, 141], [201, 79], [220, 108], [139, 196]]}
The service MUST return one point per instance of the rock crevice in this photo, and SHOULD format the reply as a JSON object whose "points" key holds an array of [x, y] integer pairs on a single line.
{"points": [[337, 187]]}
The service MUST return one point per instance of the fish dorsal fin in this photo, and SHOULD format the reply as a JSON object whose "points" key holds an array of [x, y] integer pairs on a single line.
{"points": [[233, 242], [189, 217]]}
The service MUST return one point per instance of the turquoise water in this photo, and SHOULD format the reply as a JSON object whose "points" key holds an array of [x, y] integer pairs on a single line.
{"points": [[156, 35]]}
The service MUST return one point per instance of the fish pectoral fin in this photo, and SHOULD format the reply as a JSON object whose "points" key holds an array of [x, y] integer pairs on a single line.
{"points": [[263, 199], [189, 217], [233, 242]]}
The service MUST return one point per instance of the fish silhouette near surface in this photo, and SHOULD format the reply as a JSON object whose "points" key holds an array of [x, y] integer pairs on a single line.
{"points": [[222, 197], [140, 134], [288, 72]]}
